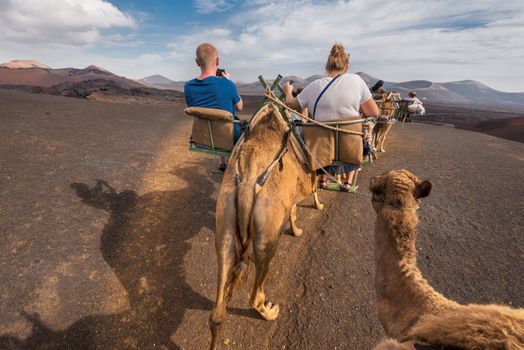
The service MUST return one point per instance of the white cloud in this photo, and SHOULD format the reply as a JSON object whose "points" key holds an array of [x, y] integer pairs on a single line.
{"points": [[212, 6], [70, 22], [395, 40]]}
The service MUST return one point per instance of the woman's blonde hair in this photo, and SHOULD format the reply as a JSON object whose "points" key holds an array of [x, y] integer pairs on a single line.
{"points": [[338, 59]]}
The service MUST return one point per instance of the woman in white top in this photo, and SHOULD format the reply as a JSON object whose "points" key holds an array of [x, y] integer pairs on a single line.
{"points": [[342, 95], [415, 105]]}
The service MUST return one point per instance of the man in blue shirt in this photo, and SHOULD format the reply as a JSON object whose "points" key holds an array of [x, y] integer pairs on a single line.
{"points": [[208, 90]]}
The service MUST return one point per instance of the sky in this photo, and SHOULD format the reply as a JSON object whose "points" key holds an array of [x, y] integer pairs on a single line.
{"points": [[393, 40]]}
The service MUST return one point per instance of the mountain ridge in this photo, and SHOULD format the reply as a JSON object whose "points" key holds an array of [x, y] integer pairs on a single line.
{"points": [[34, 73], [23, 64], [461, 91]]}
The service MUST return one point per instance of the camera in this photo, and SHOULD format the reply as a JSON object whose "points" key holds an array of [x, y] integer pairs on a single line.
{"points": [[220, 72]]}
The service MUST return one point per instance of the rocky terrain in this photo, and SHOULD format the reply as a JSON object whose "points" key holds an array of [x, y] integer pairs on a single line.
{"points": [[91, 82]]}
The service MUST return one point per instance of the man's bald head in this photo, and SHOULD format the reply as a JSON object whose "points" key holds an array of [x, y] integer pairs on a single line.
{"points": [[206, 55]]}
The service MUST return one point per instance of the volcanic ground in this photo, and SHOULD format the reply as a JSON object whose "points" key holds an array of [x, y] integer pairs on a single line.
{"points": [[107, 237]]}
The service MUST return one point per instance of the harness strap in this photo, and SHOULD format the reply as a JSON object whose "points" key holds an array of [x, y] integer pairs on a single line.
{"points": [[322, 93], [261, 180]]}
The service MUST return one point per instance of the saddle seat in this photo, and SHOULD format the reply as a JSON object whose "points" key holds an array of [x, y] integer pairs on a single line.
{"points": [[213, 129], [329, 147]]}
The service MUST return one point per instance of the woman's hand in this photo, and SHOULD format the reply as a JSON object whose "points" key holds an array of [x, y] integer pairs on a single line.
{"points": [[288, 89], [290, 100]]}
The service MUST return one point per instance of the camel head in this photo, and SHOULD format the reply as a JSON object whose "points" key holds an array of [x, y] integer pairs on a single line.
{"points": [[398, 189], [389, 103]]}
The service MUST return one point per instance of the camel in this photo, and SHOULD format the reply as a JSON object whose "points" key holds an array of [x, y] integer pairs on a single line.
{"points": [[410, 310], [388, 108], [367, 137], [250, 218]]}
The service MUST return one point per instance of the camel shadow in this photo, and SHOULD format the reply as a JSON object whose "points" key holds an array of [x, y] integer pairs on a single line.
{"points": [[144, 242]]}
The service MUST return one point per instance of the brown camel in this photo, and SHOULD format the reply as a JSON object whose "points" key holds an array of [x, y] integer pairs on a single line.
{"points": [[388, 108], [410, 310], [249, 218], [368, 136]]}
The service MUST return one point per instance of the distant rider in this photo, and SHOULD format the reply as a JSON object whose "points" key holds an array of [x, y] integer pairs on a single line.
{"points": [[414, 104], [213, 91]]}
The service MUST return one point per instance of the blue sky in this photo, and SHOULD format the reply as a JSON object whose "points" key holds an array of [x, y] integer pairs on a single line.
{"points": [[393, 40]]}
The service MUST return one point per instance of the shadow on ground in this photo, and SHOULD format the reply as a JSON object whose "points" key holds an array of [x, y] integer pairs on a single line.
{"points": [[144, 242]]}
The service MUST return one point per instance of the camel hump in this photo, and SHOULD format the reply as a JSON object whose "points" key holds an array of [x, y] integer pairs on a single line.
{"points": [[473, 327]]}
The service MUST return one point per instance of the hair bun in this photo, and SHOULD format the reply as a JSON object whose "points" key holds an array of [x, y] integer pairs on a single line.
{"points": [[338, 60], [337, 49]]}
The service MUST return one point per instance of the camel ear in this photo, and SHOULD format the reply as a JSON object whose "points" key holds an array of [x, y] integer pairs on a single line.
{"points": [[423, 189]]}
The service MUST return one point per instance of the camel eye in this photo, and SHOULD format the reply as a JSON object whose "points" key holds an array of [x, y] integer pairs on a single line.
{"points": [[377, 197], [377, 189]]}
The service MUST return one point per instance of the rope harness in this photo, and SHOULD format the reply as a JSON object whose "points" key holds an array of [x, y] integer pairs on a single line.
{"points": [[291, 136], [261, 180]]}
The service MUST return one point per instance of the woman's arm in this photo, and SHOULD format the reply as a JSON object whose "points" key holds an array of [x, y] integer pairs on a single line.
{"points": [[370, 108], [290, 100]]}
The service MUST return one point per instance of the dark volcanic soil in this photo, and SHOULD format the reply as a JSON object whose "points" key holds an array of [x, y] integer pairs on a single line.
{"points": [[507, 123], [107, 233]]}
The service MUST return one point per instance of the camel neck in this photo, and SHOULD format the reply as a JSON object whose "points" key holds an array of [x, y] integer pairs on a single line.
{"points": [[403, 293]]}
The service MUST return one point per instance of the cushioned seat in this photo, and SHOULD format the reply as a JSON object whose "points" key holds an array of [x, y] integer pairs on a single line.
{"points": [[329, 146], [212, 128]]}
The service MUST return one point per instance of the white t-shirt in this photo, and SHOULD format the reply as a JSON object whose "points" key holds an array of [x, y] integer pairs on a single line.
{"points": [[342, 99], [413, 100]]}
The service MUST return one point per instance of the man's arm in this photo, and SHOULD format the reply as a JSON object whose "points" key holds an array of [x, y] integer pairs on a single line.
{"points": [[239, 106]]}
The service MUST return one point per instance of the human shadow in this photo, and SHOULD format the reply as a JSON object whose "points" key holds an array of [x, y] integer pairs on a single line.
{"points": [[144, 241]]}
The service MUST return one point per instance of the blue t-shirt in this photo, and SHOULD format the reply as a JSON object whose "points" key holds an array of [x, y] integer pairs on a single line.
{"points": [[212, 92]]}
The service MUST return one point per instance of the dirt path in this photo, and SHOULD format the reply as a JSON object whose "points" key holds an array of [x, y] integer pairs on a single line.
{"points": [[128, 262]]}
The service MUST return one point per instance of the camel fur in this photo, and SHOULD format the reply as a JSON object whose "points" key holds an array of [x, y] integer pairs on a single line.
{"points": [[249, 223], [367, 137], [409, 308], [388, 108]]}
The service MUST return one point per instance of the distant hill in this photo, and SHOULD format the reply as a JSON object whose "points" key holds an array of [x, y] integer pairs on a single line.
{"points": [[160, 82], [30, 75], [91, 82], [37, 74], [369, 79], [255, 88], [23, 64], [156, 79], [462, 92]]}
